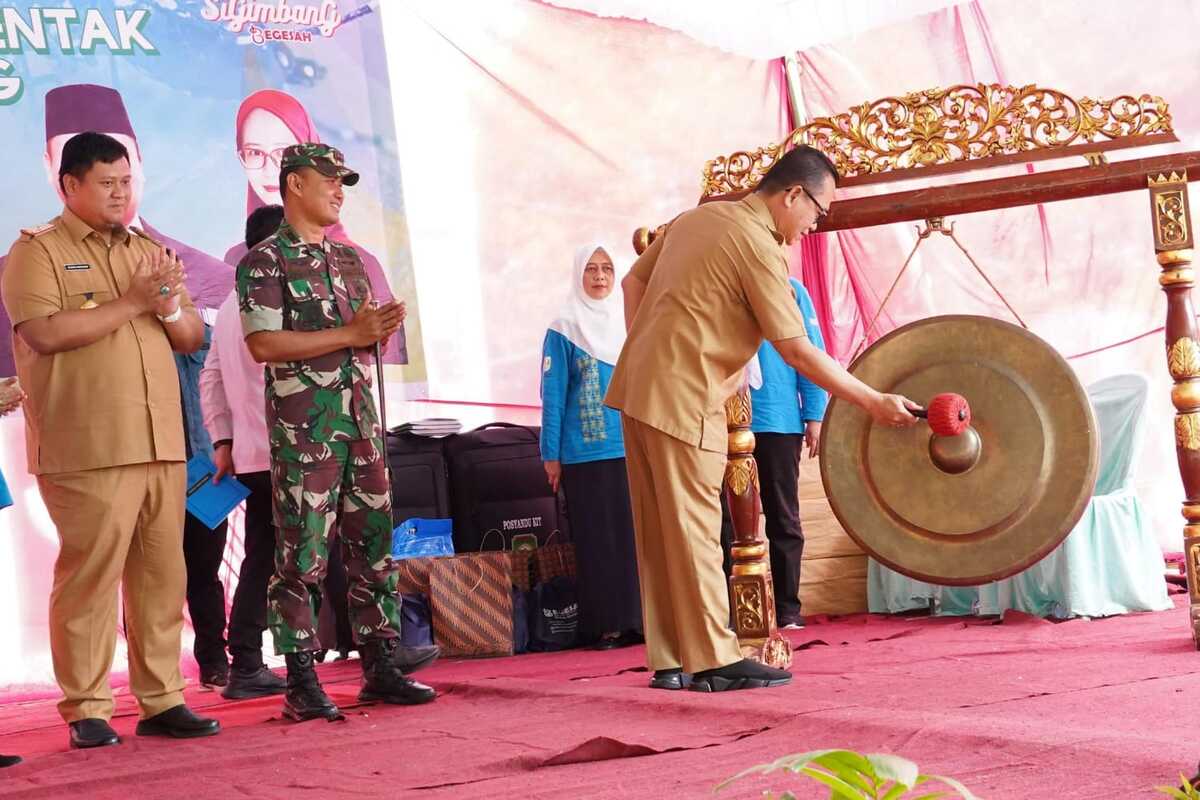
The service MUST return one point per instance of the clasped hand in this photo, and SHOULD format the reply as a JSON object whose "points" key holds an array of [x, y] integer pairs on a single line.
{"points": [[374, 323], [161, 269]]}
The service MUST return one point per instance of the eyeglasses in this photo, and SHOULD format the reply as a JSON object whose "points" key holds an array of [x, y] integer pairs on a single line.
{"points": [[256, 158], [822, 212]]}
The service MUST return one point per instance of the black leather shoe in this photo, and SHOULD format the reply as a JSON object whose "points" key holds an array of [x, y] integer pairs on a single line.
{"points": [[794, 622], [178, 723], [214, 678], [245, 684], [670, 679], [92, 732], [744, 674], [609, 642], [9, 761]]}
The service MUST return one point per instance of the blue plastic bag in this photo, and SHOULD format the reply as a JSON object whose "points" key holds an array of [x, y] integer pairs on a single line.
{"points": [[421, 538]]}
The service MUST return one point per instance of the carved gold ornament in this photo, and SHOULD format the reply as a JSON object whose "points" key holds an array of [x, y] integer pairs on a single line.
{"points": [[748, 606], [1183, 358], [1187, 431], [738, 413], [944, 126], [776, 652], [1170, 217], [741, 474]]}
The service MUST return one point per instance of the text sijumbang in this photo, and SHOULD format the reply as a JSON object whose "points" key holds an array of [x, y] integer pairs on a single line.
{"points": [[237, 14]]}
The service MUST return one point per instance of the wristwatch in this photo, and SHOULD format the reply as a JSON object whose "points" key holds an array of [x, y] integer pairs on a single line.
{"points": [[174, 316]]}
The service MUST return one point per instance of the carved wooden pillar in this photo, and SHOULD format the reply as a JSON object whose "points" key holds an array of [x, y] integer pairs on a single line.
{"points": [[1173, 244], [750, 594]]}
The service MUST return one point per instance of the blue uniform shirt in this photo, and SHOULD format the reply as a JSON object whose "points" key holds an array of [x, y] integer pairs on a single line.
{"points": [[5, 497], [189, 365], [576, 425], [787, 399]]}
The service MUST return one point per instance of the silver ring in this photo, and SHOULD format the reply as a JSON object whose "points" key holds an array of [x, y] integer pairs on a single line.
{"points": [[164, 290]]}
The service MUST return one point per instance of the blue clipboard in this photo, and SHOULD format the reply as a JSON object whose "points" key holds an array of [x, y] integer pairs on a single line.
{"points": [[208, 502]]}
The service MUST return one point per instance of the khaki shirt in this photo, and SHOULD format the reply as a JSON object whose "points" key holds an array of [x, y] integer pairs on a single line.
{"points": [[115, 401], [716, 286]]}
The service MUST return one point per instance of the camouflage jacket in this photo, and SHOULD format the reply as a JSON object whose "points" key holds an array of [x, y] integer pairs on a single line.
{"points": [[286, 284]]}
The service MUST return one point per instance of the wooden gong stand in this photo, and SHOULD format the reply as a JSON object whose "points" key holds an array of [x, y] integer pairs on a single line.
{"points": [[962, 129]]}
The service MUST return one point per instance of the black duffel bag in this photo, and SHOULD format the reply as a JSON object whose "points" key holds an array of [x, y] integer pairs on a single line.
{"points": [[420, 481], [498, 489]]}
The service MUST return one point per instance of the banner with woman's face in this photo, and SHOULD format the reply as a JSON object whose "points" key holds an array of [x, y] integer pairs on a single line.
{"points": [[204, 95]]}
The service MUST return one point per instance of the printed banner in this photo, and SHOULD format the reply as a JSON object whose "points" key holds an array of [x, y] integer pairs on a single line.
{"points": [[205, 95]]}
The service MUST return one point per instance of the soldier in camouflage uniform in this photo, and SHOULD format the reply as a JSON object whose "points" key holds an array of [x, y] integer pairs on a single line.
{"points": [[307, 314]]}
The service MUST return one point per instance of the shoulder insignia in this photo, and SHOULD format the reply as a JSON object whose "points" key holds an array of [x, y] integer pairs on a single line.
{"points": [[39, 230], [139, 232]]}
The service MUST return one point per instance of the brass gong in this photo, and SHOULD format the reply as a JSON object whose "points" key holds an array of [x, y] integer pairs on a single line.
{"points": [[982, 505]]}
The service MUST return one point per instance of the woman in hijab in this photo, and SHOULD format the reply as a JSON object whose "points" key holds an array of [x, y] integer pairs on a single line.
{"points": [[267, 122], [584, 452]]}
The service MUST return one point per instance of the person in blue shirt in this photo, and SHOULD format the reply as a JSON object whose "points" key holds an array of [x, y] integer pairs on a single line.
{"points": [[203, 549], [787, 413], [10, 399], [584, 451]]}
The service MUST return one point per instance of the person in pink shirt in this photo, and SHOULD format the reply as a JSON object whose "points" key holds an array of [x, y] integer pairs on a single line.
{"points": [[232, 399]]}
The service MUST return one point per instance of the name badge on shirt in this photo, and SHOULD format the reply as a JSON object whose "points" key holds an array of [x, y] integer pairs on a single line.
{"points": [[74, 267]]}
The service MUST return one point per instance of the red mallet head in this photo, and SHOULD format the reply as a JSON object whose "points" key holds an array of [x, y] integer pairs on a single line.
{"points": [[949, 414]]}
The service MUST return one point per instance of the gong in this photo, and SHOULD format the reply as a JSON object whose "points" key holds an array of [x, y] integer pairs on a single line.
{"points": [[988, 502]]}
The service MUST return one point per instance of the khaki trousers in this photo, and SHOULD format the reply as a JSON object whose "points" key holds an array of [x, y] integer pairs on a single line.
{"points": [[117, 526], [675, 492]]}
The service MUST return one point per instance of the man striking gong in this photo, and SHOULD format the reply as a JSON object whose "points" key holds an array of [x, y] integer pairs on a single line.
{"points": [[698, 303]]}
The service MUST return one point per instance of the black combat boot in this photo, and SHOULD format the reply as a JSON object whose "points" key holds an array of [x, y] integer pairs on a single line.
{"points": [[383, 678], [305, 699]]}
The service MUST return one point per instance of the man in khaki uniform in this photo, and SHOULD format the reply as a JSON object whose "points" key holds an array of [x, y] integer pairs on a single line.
{"points": [[698, 304], [97, 309]]}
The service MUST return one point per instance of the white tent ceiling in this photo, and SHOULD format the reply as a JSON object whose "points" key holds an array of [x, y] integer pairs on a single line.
{"points": [[761, 28]]}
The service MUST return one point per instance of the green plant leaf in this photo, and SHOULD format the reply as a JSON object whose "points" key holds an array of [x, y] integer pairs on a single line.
{"points": [[932, 796], [1171, 791], [1185, 790], [894, 768], [853, 768], [841, 789], [796, 763], [895, 792], [963, 791]]}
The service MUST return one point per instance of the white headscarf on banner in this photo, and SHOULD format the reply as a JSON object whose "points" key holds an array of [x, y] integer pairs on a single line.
{"points": [[596, 327]]}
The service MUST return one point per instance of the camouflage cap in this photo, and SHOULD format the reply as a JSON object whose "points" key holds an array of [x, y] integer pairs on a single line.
{"points": [[323, 158]]}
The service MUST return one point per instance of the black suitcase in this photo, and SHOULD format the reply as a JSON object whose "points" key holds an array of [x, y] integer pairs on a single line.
{"points": [[420, 480], [498, 489]]}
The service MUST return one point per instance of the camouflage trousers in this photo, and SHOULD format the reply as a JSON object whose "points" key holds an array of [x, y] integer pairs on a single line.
{"points": [[319, 489]]}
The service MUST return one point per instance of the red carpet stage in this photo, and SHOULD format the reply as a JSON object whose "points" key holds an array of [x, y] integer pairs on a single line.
{"points": [[1024, 709]]}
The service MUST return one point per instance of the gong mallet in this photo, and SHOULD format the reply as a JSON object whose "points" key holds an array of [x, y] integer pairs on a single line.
{"points": [[954, 446], [947, 414]]}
